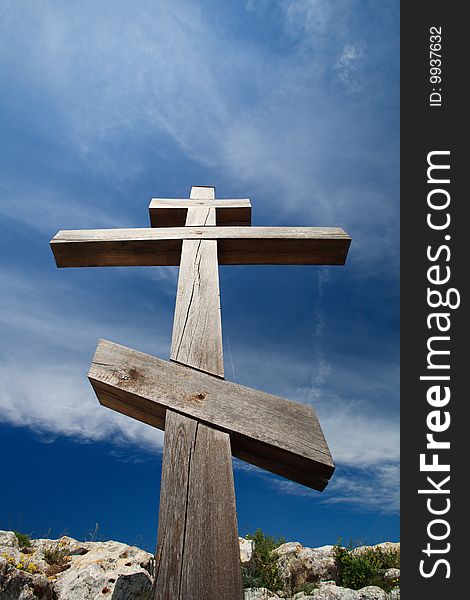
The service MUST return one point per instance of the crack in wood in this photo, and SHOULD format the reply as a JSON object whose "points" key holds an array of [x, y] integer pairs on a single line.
{"points": [[191, 452], [188, 310], [197, 283]]}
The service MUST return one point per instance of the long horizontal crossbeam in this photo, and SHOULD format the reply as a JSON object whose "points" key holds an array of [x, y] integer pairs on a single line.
{"points": [[273, 433], [236, 245]]}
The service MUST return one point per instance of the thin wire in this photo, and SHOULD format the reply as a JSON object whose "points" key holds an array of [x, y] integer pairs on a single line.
{"points": [[231, 361]]}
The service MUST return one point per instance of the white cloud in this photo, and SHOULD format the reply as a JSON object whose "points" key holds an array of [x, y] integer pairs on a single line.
{"points": [[46, 352], [349, 65], [308, 16], [376, 489], [48, 210], [60, 401]]}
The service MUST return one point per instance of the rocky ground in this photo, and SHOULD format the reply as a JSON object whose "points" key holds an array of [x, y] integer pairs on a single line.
{"points": [[67, 569]]}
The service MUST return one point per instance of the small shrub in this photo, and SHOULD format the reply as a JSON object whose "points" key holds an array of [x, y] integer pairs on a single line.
{"points": [[263, 570], [359, 569], [57, 557], [23, 539], [56, 554], [308, 588]]}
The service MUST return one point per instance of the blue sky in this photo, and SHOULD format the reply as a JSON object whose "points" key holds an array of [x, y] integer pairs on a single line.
{"points": [[104, 105]]}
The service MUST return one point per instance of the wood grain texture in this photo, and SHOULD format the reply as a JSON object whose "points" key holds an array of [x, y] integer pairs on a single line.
{"points": [[180, 439], [202, 192], [197, 328], [168, 212], [211, 565], [279, 435], [236, 245]]}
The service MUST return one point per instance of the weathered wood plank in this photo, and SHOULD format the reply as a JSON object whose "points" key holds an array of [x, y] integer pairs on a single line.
{"points": [[211, 566], [168, 212], [180, 439], [197, 326], [279, 435], [202, 192], [236, 245]]}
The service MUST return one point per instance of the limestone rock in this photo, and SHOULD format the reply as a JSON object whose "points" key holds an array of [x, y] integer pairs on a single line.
{"points": [[107, 569], [19, 585], [246, 550], [371, 592], [259, 594], [385, 546], [8, 540], [392, 575], [333, 592], [9, 547], [299, 565], [67, 569]]}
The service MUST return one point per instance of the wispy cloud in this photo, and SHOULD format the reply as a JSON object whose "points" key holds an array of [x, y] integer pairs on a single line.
{"points": [[60, 402], [349, 65], [377, 489], [309, 18]]}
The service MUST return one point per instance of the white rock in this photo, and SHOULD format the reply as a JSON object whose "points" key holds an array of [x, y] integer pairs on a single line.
{"points": [[392, 574], [8, 540], [288, 548], [18, 585], [108, 569], [299, 565], [246, 550], [333, 592], [9, 547], [371, 592], [258, 594], [385, 546]]}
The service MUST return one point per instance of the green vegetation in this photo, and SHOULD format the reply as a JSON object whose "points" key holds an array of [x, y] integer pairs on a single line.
{"points": [[24, 539], [263, 570], [308, 588], [355, 568], [23, 565], [367, 567], [56, 554]]}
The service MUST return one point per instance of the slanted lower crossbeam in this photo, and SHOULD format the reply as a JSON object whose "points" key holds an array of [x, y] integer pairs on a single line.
{"points": [[273, 433]]}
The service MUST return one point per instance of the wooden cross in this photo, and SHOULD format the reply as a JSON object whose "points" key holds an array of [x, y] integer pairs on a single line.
{"points": [[206, 419]]}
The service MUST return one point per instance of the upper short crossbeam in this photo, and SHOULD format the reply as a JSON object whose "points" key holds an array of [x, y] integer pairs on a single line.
{"points": [[169, 212]]}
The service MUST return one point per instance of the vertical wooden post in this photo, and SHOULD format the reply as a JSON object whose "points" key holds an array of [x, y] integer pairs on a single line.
{"points": [[197, 326], [198, 553]]}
